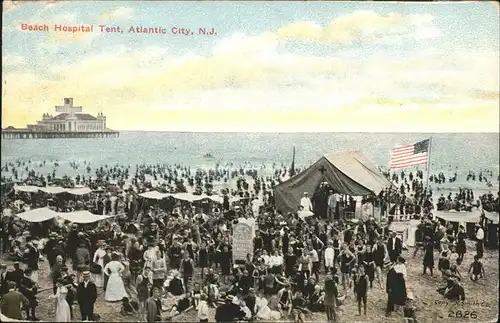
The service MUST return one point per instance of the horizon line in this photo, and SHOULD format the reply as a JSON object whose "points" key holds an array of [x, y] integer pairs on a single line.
{"points": [[317, 131]]}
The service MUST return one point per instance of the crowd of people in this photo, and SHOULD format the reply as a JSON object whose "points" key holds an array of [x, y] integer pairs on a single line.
{"points": [[155, 250]]}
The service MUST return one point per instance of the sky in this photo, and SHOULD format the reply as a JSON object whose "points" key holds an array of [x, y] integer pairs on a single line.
{"points": [[271, 66]]}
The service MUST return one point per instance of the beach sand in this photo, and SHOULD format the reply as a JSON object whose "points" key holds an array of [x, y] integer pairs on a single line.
{"points": [[423, 287]]}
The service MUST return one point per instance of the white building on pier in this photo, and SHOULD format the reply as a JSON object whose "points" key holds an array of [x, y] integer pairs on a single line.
{"points": [[70, 119]]}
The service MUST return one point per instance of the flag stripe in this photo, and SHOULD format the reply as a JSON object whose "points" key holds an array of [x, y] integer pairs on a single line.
{"points": [[409, 155], [412, 163], [409, 162]]}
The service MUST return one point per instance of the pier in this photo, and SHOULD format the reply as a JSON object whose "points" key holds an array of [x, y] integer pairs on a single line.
{"points": [[28, 134]]}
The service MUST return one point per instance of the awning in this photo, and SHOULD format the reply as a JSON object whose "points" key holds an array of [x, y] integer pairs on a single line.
{"points": [[82, 217], [492, 216], [44, 214], [37, 215], [468, 217], [53, 189], [154, 195], [27, 188], [79, 191]]}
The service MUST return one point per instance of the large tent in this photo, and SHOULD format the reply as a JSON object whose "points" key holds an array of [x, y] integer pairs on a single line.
{"points": [[349, 173]]}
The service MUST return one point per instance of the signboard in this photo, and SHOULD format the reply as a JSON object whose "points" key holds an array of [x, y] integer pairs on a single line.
{"points": [[242, 242]]}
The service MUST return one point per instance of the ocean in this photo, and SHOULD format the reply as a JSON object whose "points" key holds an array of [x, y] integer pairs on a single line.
{"points": [[450, 152]]}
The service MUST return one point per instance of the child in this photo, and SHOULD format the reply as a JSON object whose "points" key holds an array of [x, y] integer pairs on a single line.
{"points": [[409, 309], [476, 269], [361, 288], [129, 307], [299, 308], [203, 309]]}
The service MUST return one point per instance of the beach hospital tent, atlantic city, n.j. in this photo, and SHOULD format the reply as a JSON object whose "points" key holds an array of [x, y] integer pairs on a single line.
{"points": [[349, 173]]}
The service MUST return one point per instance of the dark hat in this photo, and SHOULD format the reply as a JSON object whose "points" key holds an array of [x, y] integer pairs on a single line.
{"points": [[11, 285]]}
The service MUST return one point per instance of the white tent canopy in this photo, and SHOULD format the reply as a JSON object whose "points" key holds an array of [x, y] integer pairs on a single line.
{"points": [[493, 216], [27, 188], [467, 217], [38, 215], [82, 217], [154, 195], [53, 189], [79, 191], [44, 214], [190, 197]]}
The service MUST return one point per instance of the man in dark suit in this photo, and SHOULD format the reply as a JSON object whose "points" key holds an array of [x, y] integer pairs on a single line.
{"points": [[15, 275], [12, 302], [86, 295], [30, 258], [394, 247], [29, 288]]}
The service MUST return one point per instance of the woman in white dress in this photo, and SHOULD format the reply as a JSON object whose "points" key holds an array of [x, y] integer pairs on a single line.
{"points": [[63, 313], [99, 259], [115, 290]]}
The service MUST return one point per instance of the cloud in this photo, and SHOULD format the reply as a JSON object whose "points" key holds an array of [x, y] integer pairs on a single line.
{"points": [[13, 61], [361, 26], [9, 5], [67, 17], [120, 13]]}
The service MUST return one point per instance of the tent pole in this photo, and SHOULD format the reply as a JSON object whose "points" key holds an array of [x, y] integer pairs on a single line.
{"points": [[373, 209], [388, 201]]}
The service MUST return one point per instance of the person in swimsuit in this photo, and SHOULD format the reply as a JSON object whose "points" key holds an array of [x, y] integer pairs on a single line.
{"points": [[285, 300], [428, 255], [476, 269], [347, 258], [379, 254], [361, 288]]}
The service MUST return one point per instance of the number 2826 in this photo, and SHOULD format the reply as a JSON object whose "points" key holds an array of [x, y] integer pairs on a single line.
{"points": [[463, 315]]}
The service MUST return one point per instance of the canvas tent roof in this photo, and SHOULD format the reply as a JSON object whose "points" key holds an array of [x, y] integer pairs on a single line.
{"points": [[44, 214], [349, 173]]}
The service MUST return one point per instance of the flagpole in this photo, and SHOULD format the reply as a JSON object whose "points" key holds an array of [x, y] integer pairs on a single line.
{"points": [[428, 164]]}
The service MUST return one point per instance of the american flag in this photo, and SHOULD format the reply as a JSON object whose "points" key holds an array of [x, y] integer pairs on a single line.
{"points": [[410, 155]]}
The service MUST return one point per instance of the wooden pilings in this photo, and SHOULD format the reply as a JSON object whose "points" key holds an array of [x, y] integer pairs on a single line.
{"points": [[19, 134]]}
